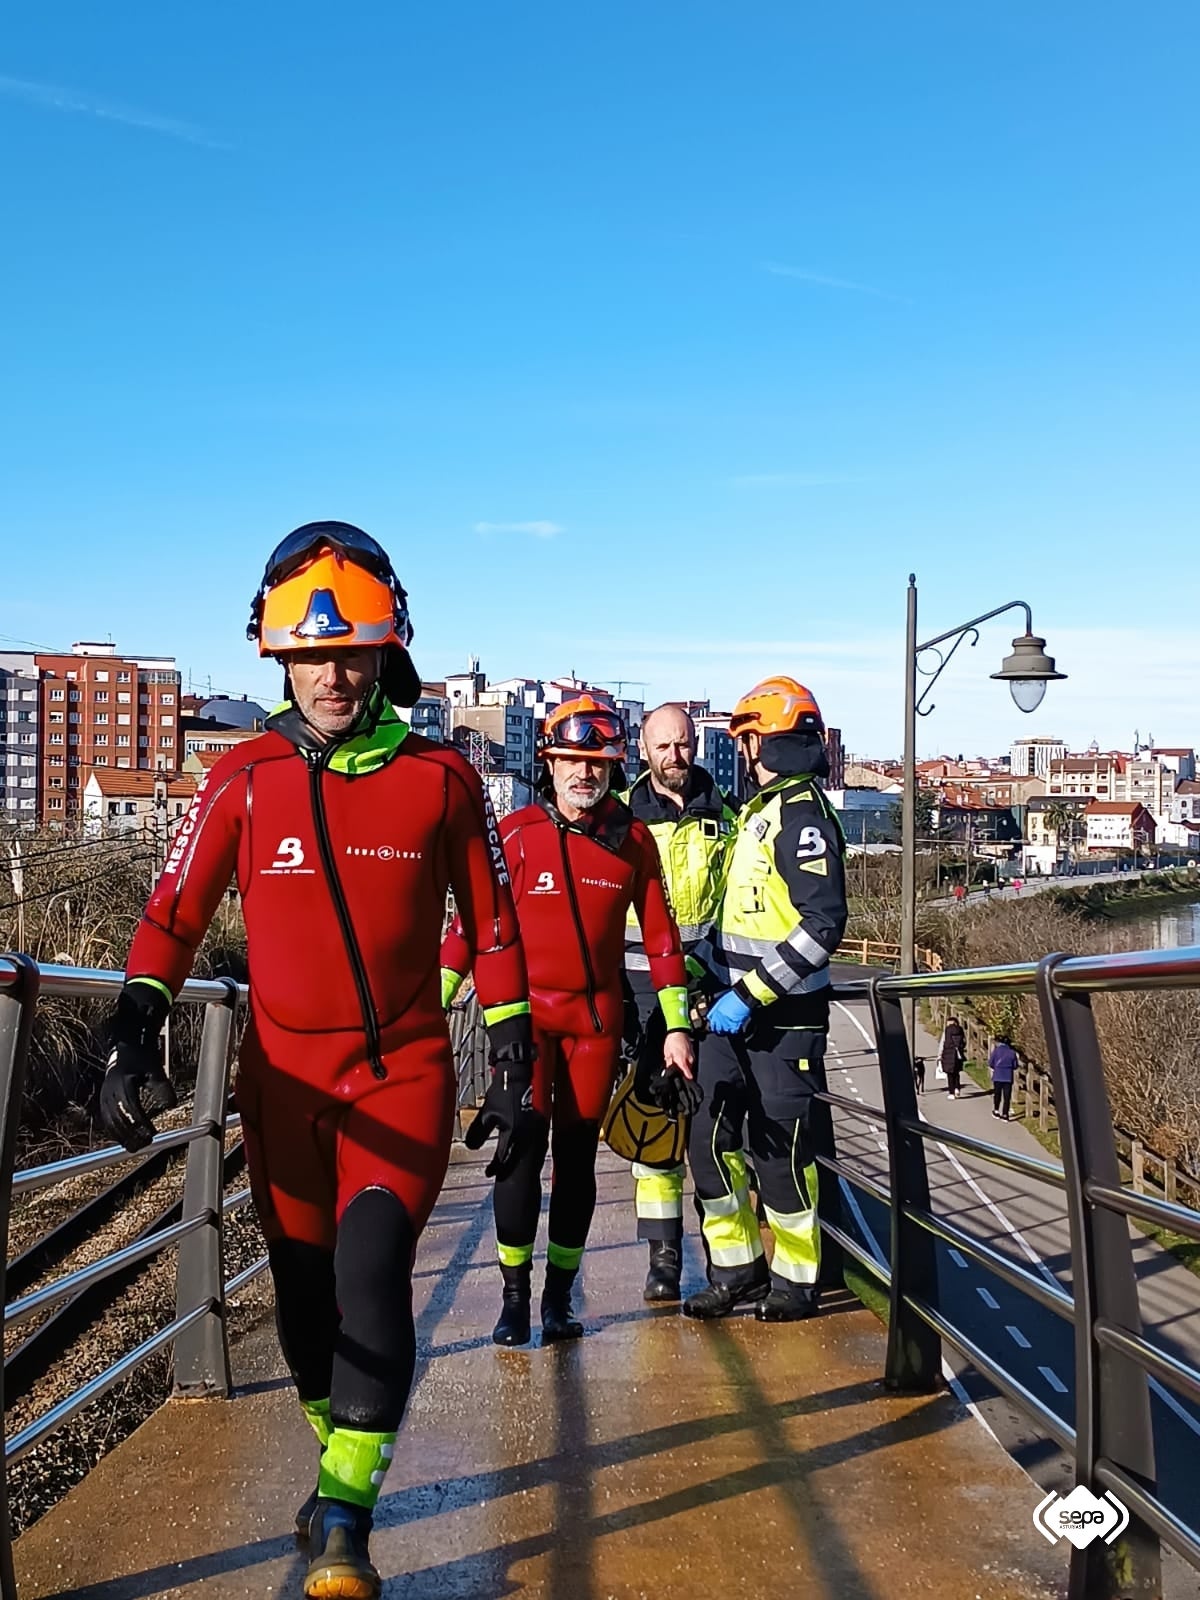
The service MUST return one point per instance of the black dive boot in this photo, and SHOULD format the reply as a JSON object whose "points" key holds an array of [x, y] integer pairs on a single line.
{"points": [[557, 1320], [513, 1326], [340, 1567], [666, 1265]]}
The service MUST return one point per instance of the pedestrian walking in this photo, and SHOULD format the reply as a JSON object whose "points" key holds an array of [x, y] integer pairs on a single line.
{"points": [[346, 1076], [1003, 1064], [952, 1052]]}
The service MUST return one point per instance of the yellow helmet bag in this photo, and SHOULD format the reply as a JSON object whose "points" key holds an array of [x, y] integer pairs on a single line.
{"points": [[637, 1130]]}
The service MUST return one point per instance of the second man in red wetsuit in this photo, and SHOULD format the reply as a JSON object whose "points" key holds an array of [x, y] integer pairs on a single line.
{"points": [[578, 860]]}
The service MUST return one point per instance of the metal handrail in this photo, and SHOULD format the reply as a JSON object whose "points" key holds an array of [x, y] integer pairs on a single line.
{"points": [[34, 1178], [63, 1288], [198, 1328], [1112, 1440]]}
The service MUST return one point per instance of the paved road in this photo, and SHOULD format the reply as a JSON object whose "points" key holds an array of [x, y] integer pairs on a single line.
{"points": [[1035, 883], [1026, 1222]]}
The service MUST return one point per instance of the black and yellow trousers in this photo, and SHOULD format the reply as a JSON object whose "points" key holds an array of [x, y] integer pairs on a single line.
{"points": [[759, 1095]]}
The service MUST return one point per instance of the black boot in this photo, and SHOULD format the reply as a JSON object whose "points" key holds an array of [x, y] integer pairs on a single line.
{"points": [[719, 1299], [340, 1564], [787, 1305], [557, 1320], [513, 1326], [666, 1264]]}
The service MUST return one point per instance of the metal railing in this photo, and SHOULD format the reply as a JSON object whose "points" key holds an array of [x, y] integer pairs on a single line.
{"points": [[1111, 1440], [198, 1329]]}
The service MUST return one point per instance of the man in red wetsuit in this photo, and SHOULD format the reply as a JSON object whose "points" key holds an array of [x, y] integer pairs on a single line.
{"points": [[578, 860], [345, 831]]}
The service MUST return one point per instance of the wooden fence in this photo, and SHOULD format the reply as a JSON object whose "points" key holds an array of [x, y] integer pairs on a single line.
{"points": [[879, 953]]}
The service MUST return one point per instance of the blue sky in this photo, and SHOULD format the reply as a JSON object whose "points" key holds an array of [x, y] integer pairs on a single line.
{"points": [[656, 341]]}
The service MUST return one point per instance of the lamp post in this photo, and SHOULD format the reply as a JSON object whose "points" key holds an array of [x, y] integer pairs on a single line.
{"points": [[1027, 671]]}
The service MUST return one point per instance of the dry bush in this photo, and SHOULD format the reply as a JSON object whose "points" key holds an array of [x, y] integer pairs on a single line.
{"points": [[80, 905], [1150, 1040]]}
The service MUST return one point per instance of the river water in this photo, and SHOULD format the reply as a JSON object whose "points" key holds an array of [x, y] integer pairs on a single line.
{"points": [[1165, 930]]}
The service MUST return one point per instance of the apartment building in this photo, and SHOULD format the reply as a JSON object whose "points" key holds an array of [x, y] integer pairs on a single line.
{"points": [[1031, 758], [1116, 825], [20, 746], [100, 709]]}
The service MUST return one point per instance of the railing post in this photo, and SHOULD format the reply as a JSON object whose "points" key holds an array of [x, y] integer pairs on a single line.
{"points": [[202, 1351], [1170, 1180], [17, 1006], [1112, 1395], [1137, 1163], [914, 1350], [1043, 1102]]}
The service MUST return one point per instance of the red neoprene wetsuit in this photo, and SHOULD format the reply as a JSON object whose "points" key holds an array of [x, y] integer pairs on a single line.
{"points": [[346, 1077], [573, 888]]}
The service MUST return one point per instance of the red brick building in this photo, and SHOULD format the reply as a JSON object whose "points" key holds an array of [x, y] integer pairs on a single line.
{"points": [[99, 709]]}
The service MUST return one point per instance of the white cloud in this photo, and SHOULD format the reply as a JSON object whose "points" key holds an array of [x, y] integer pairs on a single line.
{"points": [[52, 97], [778, 270], [538, 530]]}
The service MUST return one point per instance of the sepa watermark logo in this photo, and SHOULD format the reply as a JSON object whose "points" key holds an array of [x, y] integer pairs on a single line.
{"points": [[1082, 1517]]}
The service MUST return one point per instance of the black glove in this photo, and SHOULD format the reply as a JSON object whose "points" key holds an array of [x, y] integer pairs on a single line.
{"points": [[135, 1087], [673, 1093], [507, 1109], [649, 1058]]}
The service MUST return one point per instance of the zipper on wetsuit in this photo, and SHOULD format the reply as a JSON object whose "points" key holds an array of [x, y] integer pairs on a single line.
{"points": [[578, 920], [357, 965]]}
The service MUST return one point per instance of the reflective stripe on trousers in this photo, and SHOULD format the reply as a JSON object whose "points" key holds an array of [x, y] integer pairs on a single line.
{"points": [[730, 1225], [659, 1192]]}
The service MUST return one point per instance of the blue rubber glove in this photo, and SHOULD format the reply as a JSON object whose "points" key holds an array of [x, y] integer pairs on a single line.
{"points": [[729, 1013]]}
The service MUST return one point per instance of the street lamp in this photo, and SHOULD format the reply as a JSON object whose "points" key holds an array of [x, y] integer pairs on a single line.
{"points": [[1027, 671]]}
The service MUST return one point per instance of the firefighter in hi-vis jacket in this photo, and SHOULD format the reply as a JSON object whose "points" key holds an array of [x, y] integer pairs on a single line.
{"points": [[781, 918]]}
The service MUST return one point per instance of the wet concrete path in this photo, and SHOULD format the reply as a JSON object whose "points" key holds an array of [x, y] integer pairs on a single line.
{"points": [[658, 1457]]}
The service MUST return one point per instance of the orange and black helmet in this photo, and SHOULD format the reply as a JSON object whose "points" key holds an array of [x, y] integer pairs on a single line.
{"points": [[585, 726], [777, 705], [329, 585]]}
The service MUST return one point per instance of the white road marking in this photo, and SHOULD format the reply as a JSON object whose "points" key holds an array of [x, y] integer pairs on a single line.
{"points": [[988, 1298], [1053, 1379], [958, 1260], [1164, 1394], [1018, 1337]]}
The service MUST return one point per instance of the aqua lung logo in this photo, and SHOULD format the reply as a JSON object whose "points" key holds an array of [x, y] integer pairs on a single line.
{"points": [[323, 620], [1081, 1517], [383, 852]]}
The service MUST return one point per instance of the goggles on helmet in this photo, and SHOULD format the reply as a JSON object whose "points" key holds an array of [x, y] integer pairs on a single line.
{"points": [[587, 733], [303, 546]]}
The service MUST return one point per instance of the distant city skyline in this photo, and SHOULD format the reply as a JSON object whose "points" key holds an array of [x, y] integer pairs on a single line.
{"points": [[660, 343]]}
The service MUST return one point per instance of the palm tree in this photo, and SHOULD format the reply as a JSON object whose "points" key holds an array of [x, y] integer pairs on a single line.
{"points": [[1064, 819]]}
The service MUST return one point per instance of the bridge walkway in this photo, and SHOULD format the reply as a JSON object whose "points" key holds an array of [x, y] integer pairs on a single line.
{"points": [[658, 1458]]}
